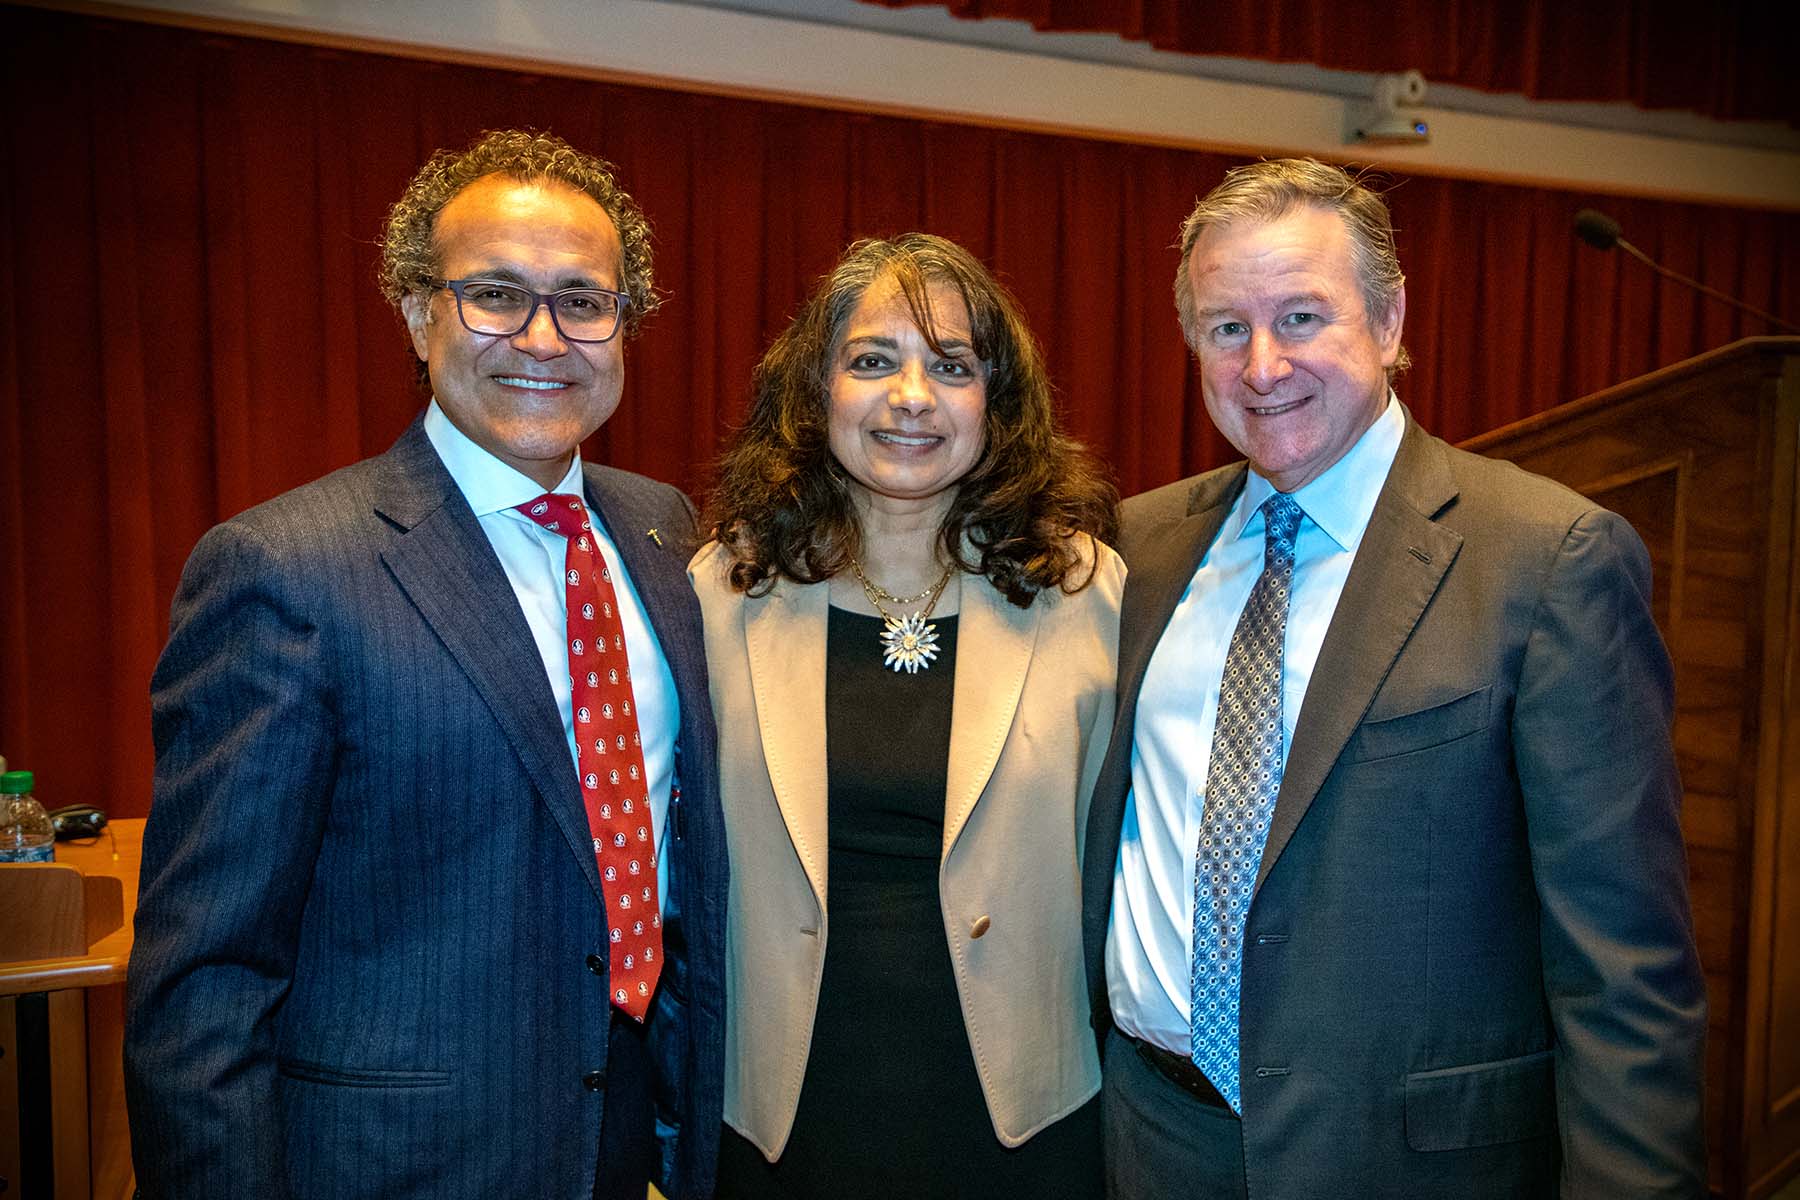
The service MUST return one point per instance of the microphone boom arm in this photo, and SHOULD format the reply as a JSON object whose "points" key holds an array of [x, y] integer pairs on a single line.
{"points": [[1715, 293]]}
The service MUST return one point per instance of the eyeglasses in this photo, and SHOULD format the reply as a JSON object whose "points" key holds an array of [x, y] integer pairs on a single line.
{"points": [[496, 309]]}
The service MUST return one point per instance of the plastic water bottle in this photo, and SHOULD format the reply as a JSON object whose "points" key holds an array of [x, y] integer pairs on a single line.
{"points": [[25, 831]]}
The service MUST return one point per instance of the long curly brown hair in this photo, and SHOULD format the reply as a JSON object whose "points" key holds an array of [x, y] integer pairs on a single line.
{"points": [[785, 507]]}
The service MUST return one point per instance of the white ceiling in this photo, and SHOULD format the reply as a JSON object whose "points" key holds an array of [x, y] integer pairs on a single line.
{"points": [[935, 22], [925, 62]]}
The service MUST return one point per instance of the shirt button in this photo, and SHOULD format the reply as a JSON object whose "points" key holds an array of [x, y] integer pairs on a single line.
{"points": [[980, 926], [596, 964], [594, 1081]]}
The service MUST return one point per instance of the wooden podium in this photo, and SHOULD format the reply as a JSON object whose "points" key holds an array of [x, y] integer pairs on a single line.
{"points": [[1701, 458], [65, 938]]}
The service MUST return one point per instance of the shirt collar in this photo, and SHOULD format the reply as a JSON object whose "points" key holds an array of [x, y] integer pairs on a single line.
{"points": [[489, 485], [1341, 500]]}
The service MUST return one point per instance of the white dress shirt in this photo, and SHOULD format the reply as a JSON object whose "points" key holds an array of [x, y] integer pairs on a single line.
{"points": [[532, 557], [1149, 943]]}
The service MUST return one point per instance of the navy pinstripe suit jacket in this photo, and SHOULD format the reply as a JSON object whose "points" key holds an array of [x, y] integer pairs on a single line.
{"points": [[369, 892]]}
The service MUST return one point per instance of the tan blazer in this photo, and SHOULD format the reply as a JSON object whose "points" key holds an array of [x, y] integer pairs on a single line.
{"points": [[1033, 705]]}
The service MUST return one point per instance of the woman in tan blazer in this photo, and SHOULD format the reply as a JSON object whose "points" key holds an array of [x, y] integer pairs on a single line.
{"points": [[911, 631]]}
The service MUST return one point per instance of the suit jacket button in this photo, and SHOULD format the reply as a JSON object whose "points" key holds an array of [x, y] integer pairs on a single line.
{"points": [[594, 1081], [596, 964], [980, 926]]}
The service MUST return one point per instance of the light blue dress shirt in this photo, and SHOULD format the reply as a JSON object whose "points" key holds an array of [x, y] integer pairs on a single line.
{"points": [[532, 557], [1149, 942]]}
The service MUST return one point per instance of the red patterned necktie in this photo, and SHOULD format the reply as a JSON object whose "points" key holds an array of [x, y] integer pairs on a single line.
{"points": [[610, 758]]}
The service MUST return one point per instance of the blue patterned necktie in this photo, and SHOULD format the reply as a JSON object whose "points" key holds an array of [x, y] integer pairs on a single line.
{"points": [[1242, 778]]}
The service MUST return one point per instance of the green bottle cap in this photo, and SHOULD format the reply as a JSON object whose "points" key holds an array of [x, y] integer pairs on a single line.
{"points": [[15, 783]]}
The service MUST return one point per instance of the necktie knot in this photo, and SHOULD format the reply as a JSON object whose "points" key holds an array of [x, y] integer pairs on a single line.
{"points": [[1281, 523], [559, 512]]}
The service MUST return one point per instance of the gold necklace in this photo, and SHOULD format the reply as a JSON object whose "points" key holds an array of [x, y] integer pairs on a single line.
{"points": [[907, 643], [876, 592]]}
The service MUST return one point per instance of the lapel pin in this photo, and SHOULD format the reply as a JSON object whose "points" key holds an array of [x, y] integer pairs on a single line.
{"points": [[653, 536]]}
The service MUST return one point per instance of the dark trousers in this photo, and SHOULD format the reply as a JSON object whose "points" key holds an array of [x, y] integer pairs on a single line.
{"points": [[1162, 1141], [628, 1122]]}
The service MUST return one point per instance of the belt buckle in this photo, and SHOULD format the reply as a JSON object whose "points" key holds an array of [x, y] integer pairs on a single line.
{"points": [[1181, 1071]]}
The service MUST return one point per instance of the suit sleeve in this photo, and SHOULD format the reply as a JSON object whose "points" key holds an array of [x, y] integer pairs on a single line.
{"points": [[1108, 588], [1597, 773], [244, 760]]}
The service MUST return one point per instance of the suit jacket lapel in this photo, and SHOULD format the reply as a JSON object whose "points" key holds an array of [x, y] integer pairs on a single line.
{"points": [[785, 635], [1160, 574], [986, 692], [446, 566], [658, 572], [1398, 568], [1161, 560], [1162, 563]]}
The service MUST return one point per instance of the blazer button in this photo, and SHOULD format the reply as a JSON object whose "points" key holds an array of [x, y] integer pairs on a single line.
{"points": [[596, 964], [980, 926], [594, 1081]]}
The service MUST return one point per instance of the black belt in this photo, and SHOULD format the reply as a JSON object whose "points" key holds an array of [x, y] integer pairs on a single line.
{"points": [[1179, 1070]]}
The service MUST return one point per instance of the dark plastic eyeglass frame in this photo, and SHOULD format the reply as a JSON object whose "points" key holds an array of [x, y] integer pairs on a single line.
{"points": [[538, 300]]}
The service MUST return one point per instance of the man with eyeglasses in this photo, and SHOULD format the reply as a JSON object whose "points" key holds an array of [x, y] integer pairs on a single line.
{"points": [[433, 883]]}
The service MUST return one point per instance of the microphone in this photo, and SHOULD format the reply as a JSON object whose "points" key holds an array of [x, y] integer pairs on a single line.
{"points": [[1597, 229], [1603, 233]]}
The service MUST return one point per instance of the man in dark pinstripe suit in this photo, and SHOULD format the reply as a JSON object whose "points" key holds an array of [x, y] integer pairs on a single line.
{"points": [[372, 950]]}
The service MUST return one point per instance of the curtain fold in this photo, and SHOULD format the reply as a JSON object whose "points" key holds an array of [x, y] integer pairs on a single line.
{"points": [[189, 319]]}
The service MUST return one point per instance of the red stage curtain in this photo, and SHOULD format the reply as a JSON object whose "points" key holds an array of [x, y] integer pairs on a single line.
{"points": [[189, 320], [1733, 59]]}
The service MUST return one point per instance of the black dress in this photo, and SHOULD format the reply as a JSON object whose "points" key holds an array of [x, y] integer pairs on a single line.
{"points": [[891, 1105]]}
